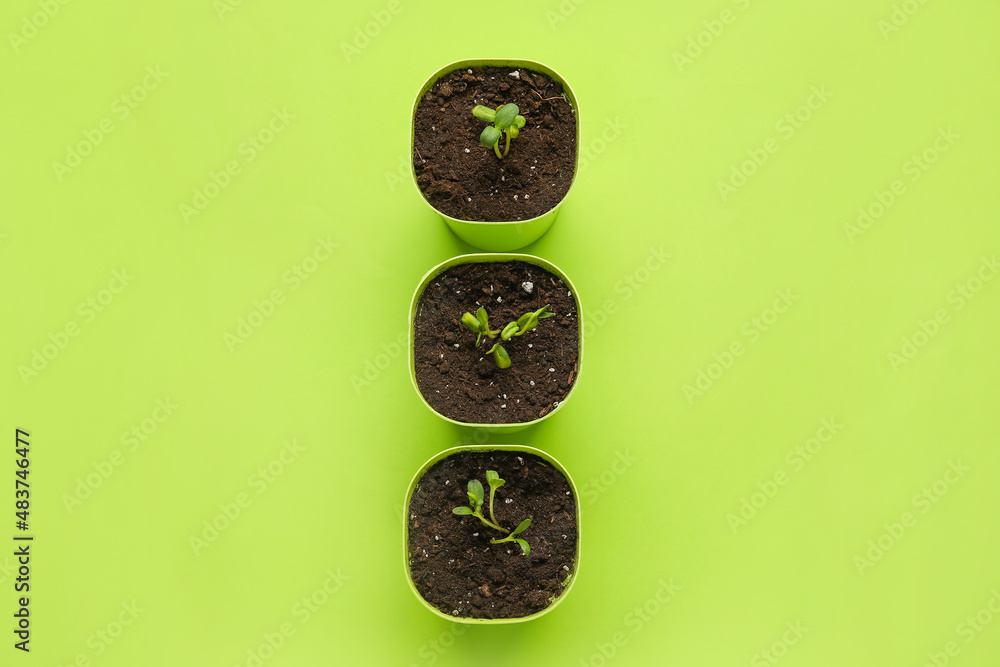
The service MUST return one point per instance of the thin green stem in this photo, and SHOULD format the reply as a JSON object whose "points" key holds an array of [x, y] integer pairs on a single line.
{"points": [[506, 148], [493, 490], [511, 538], [496, 148], [486, 521]]}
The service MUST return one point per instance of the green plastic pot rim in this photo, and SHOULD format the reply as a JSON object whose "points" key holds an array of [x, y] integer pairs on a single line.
{"points": [[489, 448], [496, 62], [489, 257]]}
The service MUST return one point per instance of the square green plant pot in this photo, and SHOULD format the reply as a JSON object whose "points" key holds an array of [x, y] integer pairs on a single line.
{"points": [[415, 484], [494, 257], [499, 236]]}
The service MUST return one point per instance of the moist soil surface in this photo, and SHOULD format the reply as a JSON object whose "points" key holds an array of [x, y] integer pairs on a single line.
{"points": [[453, 564], [465, 180], [459, 379]]}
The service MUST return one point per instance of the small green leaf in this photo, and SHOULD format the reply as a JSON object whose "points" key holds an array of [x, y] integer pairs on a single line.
{"points": [[484, 113], [505, 116], [462, 510], [471, 323], [501, 357], [524, 546], [509, 330], [512, 131], [476, 492], [518, 123], [493, 479], [484, 319], [490, 136], [523, 526], [531, 321]]}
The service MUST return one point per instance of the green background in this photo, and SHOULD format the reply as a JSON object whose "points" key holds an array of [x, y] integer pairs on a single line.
{"points": [[672, 130]]}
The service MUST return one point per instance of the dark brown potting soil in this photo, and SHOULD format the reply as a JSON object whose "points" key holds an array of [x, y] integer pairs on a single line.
{"points": [[465, 180], [452, 562], [460, 380]]}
